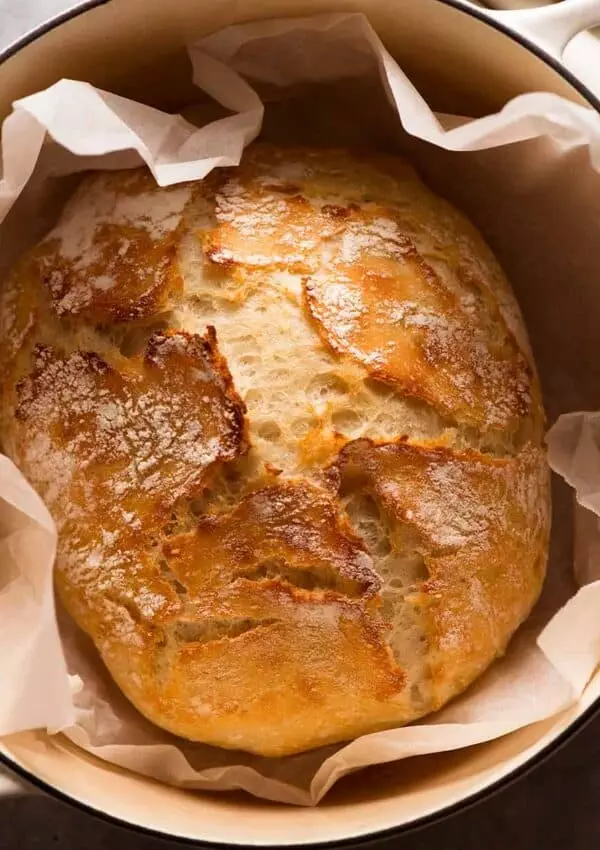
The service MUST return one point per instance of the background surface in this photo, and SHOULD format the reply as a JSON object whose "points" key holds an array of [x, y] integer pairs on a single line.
{"points": [[555, 807]]}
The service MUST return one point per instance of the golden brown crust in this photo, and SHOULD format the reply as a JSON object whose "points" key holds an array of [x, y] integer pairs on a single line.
{"points": [[116, 261], [332, 520], [112, 448], [261, 222], [291, 531], [475, 520], [292, 664], [373, 294], [279, 580], [376, 299], [17, 316]]}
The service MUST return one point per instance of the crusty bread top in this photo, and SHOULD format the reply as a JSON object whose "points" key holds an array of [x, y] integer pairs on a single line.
{"points": [[289, 427]]}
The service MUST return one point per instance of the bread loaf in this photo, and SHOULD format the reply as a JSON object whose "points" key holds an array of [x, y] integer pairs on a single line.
{"points": [[288, 424]]}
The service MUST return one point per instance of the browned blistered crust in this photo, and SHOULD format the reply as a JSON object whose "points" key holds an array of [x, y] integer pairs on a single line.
{"points": [[115, 448], [475, 520], [436, 348], [267, 601], [123, 271]]}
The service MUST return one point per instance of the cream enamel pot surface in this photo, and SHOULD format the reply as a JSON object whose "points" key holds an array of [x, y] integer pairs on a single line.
{"points": [[122, 45]]}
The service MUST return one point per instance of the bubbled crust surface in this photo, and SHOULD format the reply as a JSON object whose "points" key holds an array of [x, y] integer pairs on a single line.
{"points": [[288, 425]]}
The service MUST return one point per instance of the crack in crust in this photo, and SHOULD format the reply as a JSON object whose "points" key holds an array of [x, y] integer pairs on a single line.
{"points": [[293, 531], [475, 520]]}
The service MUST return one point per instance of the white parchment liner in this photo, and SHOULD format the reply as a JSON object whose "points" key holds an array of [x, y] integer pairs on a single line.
{"points": [[538, 203]]}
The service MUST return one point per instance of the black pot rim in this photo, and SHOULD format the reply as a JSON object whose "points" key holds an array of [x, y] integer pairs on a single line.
{"points": [[454, 808]]}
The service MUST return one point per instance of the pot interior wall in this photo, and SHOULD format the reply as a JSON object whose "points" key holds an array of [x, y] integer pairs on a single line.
{"points": [[368, 802], [135, 48]]}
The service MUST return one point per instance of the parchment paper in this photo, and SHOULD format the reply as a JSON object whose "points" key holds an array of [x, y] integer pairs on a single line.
{"points": [[529, 178]]}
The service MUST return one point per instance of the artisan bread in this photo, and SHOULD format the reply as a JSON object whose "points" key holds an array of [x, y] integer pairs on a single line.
{"points": [[288, 424]]}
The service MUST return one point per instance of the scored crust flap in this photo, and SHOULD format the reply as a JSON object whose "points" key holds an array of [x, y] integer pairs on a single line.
{"points": [[113, 449], [380, 301], [116, 262]]}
